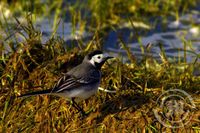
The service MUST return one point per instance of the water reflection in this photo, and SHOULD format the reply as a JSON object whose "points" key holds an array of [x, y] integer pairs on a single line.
{"points": [[179, 33]]}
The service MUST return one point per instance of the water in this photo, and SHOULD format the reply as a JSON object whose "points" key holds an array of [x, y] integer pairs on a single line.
{"points": [[171, 37]]}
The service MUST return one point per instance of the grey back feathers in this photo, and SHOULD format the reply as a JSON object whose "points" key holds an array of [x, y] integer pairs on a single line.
{"points": [[78, 76]]}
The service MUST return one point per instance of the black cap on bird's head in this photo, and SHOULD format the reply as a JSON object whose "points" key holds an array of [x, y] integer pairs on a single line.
{"points": [[97, 58], [93, 53]]}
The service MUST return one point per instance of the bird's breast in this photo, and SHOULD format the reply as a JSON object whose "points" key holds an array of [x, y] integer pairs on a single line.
{"points": [[88, 91], [81, 93]]}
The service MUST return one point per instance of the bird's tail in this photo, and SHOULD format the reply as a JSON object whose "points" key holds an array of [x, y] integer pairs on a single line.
{"points": [[43, 92]]}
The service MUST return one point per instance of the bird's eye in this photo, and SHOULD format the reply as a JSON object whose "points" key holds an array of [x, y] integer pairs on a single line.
{"points": [[99, 57]]}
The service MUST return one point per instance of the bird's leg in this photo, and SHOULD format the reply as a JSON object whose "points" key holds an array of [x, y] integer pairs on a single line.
{"points": [[75, 105]]}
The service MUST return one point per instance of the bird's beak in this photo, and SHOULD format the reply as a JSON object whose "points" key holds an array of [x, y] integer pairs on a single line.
{"points": [[107, 56]]}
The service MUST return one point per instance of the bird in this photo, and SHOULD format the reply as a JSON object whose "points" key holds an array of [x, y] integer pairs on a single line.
{"points": [[81, 82]]}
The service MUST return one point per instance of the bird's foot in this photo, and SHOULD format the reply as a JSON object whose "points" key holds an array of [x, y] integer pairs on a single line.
{"points": [[83, 114]]}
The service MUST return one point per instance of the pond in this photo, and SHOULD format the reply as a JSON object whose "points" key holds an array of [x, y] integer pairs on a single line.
{"points": [[174, 37]]}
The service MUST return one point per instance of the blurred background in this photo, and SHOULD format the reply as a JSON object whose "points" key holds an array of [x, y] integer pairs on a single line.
{"points": [[144, 26]]}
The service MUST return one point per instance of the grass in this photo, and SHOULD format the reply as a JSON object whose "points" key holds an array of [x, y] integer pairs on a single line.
{"points": [[31, 65], [99, 13], [38, 66]]}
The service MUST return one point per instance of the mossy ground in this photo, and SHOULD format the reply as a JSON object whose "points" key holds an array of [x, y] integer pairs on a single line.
{"points": [[36, 66]]}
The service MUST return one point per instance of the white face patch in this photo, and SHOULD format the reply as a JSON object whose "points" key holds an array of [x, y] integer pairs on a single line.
{"points": [[97, 58]]}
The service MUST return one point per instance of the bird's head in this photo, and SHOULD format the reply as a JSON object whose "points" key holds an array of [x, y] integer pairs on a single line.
{"points": [[97, 58]]}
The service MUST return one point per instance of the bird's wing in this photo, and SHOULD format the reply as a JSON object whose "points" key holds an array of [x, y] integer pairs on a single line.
{"points": [[68, 82]]}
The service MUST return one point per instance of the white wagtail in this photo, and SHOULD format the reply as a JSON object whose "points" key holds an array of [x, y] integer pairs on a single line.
{"points": [[79, 83]]}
